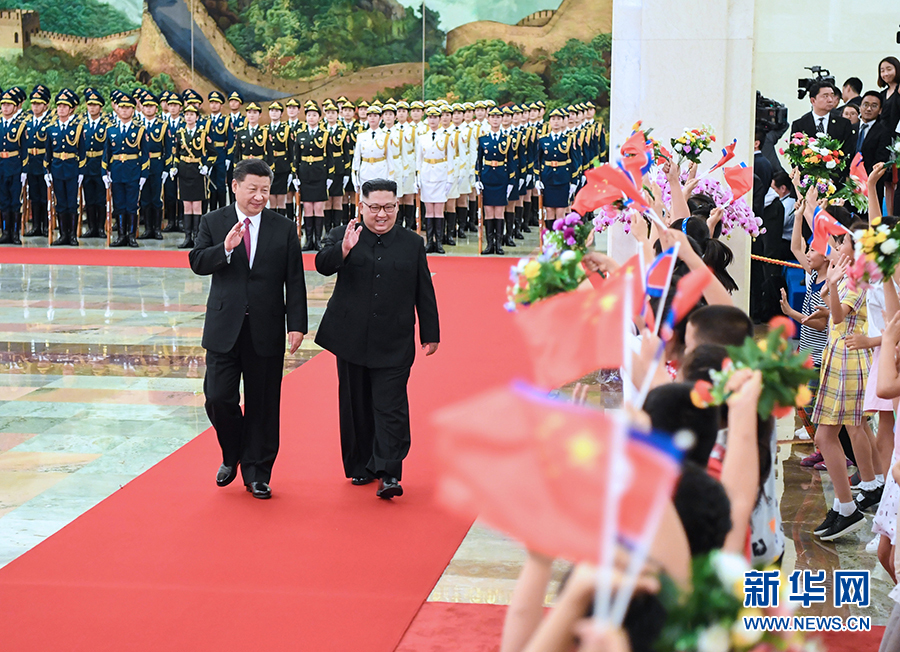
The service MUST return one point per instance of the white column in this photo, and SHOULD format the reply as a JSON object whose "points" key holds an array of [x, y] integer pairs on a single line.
{"points": [[677, 66]]}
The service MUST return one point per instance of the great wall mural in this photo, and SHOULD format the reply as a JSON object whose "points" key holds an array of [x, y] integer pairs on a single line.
{"points": [[325, 50]]}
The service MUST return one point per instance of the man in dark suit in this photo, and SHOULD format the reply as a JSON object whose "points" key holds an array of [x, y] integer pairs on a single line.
{"points": [[254, 257], [820, 120], [874, 138], [850, 92], [383, 282], [762, 174]]}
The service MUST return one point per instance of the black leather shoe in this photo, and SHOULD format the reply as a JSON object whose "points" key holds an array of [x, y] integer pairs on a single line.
{"points": [[361, 480], [225, 475], [259, 490], [388, 487]]}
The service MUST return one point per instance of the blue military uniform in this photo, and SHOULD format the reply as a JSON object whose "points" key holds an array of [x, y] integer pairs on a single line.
{"points": [[222, 135], [127, 164], [236, 122], [174, 209], [495, 171], [36, 170], [558, 165], [65, 159], [13, 158], [92, 188], [160, 143]]}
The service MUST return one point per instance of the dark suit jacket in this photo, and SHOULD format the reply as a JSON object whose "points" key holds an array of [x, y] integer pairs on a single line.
{"points": [[874, 147], [275, 287], [381, 285], [838, 128], [762, 181]]}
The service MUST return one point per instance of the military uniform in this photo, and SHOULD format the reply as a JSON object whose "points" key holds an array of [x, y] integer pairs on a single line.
{"points": [[236, 121], [160, 145], [341, 160], [193, 157], [278, 152], [222, 135], [495, 175], [126, 163], [312, 164], [13, 159], [92, 188], [173, 209], [370, 156], [36, 146], [65, 160]]}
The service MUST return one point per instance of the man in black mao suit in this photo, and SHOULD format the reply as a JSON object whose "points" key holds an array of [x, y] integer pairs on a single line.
{"points": [[383, 282], [254, 258], [820, 120]]}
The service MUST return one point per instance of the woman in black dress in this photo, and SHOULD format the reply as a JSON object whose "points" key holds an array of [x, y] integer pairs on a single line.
{"points": [[194, 158], [888, 76], [312, 162]]}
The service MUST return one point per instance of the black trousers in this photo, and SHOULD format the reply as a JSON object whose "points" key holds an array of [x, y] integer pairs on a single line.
{"points": [[250, 437], [374, 412]]}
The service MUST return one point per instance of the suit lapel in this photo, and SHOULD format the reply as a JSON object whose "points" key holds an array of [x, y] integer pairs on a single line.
{"points": [[265, 234], [231, 218]]}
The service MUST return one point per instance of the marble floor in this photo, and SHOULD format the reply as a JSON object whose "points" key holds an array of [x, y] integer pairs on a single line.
{"points": [[101, 377]]}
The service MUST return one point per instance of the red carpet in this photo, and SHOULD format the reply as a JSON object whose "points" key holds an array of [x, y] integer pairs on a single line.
{"points": [[171, 562], [446, 627], [121, 257]]}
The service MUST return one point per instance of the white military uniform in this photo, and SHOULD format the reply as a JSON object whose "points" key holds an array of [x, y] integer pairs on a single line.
{"points": [[465, 169], [434, 168], [453, 160], [408, 186], [370, 158]]}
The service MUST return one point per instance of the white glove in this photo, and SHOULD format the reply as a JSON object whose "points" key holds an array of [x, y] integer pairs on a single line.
{"points": [[357, 189], [141, 183], [165, 176], [521, 183], [539, 186], [204, 170], [509, 190], [449, 187], [227, 164], [80, 179], [296, 184], [24, 178], [418, 183], [528, 178], [290, 179], [328, 184], [346, 181], [48, 179], [173, 172], [479, 187], [572, 189], [106, 180]]}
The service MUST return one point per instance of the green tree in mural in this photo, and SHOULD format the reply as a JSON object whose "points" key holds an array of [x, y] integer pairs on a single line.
{"points": [[578, 70], [89, 18]]}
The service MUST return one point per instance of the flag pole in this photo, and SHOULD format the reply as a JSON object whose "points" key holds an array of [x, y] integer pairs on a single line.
{"points": [[609, 517], [667, 287]]}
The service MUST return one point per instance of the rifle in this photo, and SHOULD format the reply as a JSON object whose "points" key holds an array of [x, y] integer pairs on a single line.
{"points": [[108, 215], [80, 210], [26, 206], [541, 220], [480, 219], [51, 210], [419, 207]]}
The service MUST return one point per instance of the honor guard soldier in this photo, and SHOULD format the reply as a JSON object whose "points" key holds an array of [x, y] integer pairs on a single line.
{"points": [[222, 136], [532, 126], [435, 178], [510, 125], [312, 163], [194, 156], [250, 141], [557, 167], [341, 159], [370, 157], [92, 188], [36, 146], [465, 171], [279, 157], [295, 124], [159, 151], [127, 164], [172, 207], [236, 121], [494, 178], [20, 97], [13, 159], [406, 184], [65, 158], [470, 224]]}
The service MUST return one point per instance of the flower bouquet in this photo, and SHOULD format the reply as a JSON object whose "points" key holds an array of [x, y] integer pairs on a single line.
{"points": [[818, 158], [853, 193], [709, 617], [660, 153], [612, 213], [785, 372], [894, 154], [569, 232], [692, 143], [877, 252], [533, 279]]}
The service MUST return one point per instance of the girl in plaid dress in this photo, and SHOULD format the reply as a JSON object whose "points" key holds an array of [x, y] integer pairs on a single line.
{"points": [[842, 388]]}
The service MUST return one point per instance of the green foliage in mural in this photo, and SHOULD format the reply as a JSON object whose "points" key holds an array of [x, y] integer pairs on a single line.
{"points": [[89, 18], [578, 70], [302, 38]]}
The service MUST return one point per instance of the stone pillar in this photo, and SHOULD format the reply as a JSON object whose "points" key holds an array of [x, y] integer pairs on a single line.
{"points": [[676, 66]]}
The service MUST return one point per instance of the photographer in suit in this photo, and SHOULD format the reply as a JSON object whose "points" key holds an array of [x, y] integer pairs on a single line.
{"points": [[383, 282], [253, 255]]}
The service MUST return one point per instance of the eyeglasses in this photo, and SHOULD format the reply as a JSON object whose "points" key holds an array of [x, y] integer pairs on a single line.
{"points": [[389, 209]]}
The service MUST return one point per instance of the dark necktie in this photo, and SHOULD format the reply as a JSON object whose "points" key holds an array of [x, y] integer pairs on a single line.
{"points": [[821, 129], [863, 128], [433, 135]]}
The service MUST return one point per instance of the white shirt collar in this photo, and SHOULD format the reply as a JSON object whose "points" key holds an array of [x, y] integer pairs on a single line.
{"points": [[254, 219]]}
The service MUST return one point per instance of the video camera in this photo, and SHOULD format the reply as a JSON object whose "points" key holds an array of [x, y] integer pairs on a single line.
{"points": [[821, 75], [771, 116]]}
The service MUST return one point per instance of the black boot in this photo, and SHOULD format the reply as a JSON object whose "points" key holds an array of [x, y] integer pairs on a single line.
{"points": [[289, 211], [461, 219], [450, 228], [14, 227], [188, 242], [472, 225], [90, 214], [309, 229], [345, 213], [73, 229], [122, 240], [147, 218], [489, 238], [101, 220], [535, 214], [171, 211], [319, 226], [498, 237], [131, 222], [517, 223], [5, 235], [438, 230], [35, 229], [526, 217], [509, 218], [62, 222], [157, 222], [430, 247]]}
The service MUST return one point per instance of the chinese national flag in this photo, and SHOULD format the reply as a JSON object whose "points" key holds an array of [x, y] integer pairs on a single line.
{"points": [[858, 171], [740, 179], [595, 195], [618, 179], [538, 470], [633, 266], [636, 145], [824, 225], [572, 334]]}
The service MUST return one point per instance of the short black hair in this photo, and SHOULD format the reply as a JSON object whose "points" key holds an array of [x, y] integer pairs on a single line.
{"points": [[703, 508], [816, 87], [760, 135], [874, 94], [701, 361], [855, 107], [670, 410], [782, 178], [252, 166], [375, 185], [855, 83], [723, 325]]}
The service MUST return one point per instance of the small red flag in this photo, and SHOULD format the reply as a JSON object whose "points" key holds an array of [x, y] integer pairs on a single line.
{"points": [[727, 155], [570, 335], [858, 171], [740, 179], [595, 195], [687, 293], [538, 469], [616, 178], [824, 226]]}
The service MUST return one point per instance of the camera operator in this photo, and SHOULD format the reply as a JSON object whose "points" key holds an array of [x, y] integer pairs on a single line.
{"points": [[820, 120]]}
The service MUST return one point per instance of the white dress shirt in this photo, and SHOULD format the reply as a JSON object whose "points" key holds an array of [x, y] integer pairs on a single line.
{"points": [[254, 234]]}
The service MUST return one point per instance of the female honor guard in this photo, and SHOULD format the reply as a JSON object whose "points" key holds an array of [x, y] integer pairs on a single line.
{"points": [[509, 213], [312, 160], [193, 160], [494, 179], [250, 141], [279, 157], [219, 130], [370, 158], [65, 156], [407, 185], [339, 145], [464, 169], [557, 167], [434, 178], [295, 125], [453, 162]]}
